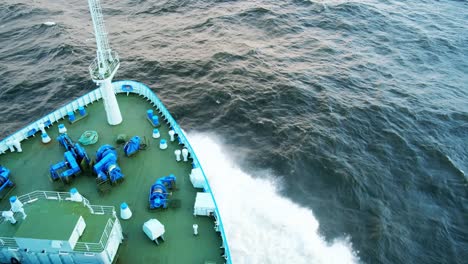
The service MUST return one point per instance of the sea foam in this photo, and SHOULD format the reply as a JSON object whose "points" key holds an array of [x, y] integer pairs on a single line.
{"points": [[261, 225]]}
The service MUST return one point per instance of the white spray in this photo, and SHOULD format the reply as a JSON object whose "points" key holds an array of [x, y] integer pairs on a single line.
{"points": [[262, 226]]}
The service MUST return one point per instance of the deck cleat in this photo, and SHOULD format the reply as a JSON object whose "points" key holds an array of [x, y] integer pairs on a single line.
{"points": [[185, 153], [171, 134], [177, 153]]}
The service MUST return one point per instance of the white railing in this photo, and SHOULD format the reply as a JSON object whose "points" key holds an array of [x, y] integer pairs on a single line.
{"points": [[65, 196], [51, 118], [101, 209], [43, 195], [94, 67], [95, 95], [8, 242], [98, 246]]}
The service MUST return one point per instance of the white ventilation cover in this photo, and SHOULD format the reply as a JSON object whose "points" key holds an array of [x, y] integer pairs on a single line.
{"points": [[197, 179], [204, 204], [153, 229]]}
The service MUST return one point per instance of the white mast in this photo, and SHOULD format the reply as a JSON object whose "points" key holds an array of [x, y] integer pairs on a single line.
{"points": [[105, 65]]}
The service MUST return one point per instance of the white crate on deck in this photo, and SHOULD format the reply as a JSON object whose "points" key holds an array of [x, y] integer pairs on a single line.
{"points": [[204, 204], [153, 229], [197, 179]]}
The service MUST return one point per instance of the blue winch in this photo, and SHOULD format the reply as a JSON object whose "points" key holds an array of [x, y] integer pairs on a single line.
{"points": [[132, 146], [74, 158], [106, 166], [4, 178], [158, 192]]}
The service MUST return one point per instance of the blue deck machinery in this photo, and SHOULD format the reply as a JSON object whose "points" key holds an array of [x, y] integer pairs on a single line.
{"points": [[5, 181], [158, 192], [134, 145], [75, 159], [106, 166]]}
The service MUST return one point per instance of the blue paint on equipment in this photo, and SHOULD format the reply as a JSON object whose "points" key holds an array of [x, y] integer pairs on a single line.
{"points": [[127, 88], [31, 132], [71, 116], [4, 178], [106, 166], [149, 113], [82, 111], [158, 191], [132, 146], [62, 129], [74, 157], [155, 120]]}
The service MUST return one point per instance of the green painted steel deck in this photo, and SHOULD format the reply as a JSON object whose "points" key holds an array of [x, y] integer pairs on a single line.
{"points": [[38, 225], [30, 172], [65, 215]]}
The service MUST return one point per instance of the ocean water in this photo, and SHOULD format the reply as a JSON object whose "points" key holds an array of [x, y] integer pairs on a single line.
{"points": [[332, 131]]}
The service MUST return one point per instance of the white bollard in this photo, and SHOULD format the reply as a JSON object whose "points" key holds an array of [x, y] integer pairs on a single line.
{"points": [[171, 134], [163, 144], [156, 133], [62, 129], [45, 138], [195, 229], [125, 212], [75, 196], [185, 154], [177, 154]]}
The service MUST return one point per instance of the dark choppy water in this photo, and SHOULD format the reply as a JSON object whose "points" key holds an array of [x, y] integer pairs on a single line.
{"points": [[360, 106]]}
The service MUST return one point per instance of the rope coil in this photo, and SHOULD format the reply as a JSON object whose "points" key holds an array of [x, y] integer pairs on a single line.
{"points": [[89, 138]]}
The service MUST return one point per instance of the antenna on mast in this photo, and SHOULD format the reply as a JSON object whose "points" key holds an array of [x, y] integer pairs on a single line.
{"points": [[105, 65]]}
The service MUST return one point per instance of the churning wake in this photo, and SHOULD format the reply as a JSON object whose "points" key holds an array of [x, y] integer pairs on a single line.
{"points": [[262, 226]]}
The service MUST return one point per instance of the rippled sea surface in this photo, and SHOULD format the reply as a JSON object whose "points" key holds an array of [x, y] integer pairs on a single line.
{"points": [[358, 108]]}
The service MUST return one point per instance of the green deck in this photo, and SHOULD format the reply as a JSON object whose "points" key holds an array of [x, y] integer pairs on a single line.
{"points": [[38, 224], [30, 172]]}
